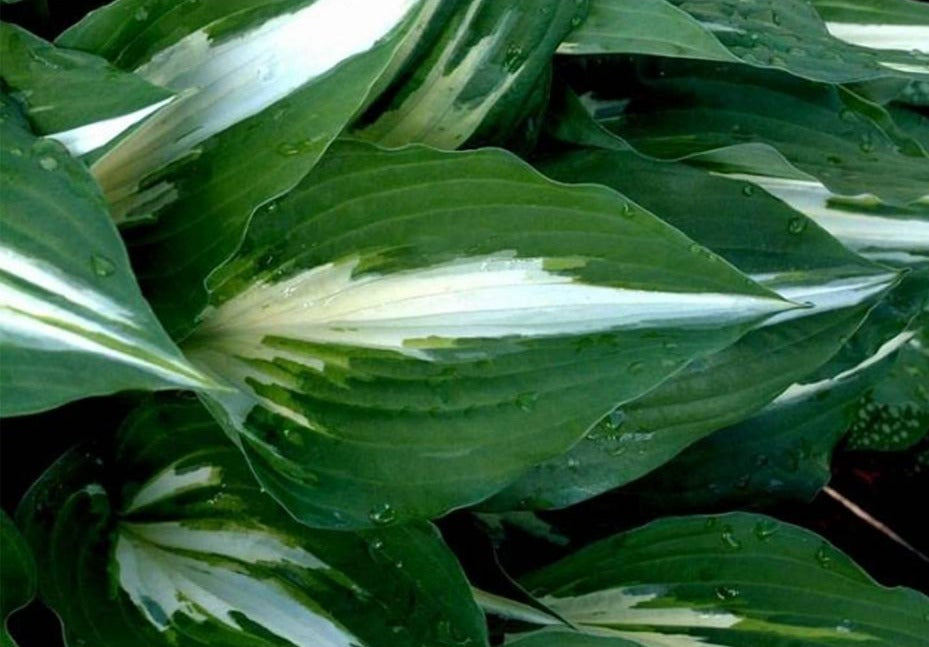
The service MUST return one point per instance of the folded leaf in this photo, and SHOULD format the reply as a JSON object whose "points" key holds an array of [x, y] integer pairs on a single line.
{"points": [[734, 580], [170, 541], [764, 238], [408, 330], [472, 83], [73, 97], [72, 320], [17, 572]]}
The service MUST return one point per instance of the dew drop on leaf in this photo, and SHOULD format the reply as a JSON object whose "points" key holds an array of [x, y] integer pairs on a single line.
{"points": [[48, 162], [796, 225], [728, 538], [765, 529], [101, 265], [382, 514], [748, 190], [726, 593]]}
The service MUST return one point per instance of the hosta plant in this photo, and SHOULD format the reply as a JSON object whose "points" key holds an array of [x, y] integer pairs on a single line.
{"points": [[370, 295]]}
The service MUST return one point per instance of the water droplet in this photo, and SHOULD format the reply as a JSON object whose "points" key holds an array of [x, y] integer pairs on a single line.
{"points": [[748, 190], [526, 401], [775, 18], [573, 464], [726, 593], [615, 419], [765, 529], [728, 538], [710, 522], [141, 14], [848, 115], [576, 21], [383, 514], [627, 210], [513, 58], [796, 225], [101, 265], [18, 152], [845, 627], [48, 162], [822, 556], [636, 367], [289, 149]]}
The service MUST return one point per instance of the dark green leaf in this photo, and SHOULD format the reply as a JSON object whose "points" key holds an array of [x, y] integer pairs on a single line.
{"points": [[17, 575]]}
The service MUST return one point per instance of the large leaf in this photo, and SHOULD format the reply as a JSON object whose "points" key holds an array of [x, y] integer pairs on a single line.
{"points": [[473, 82], [685, 109], [72, 320], [765, 239], [408, 330], [77, 98], [781, 34], [17, 575], [162, 537], [730, 581]]}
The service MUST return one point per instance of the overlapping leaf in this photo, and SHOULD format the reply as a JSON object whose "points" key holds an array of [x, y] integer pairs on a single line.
{"points": [[164, 538], [72, 320], [765, 239], [409, 330], [735, 580], [781, 34], [74, 97], [826, 132]]}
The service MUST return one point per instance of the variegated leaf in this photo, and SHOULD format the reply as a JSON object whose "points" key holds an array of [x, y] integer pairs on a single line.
{"points": [[765, 239], [72, 320], [738, 580], [472, 83], [170, 541], [780, 34], [409, 330]]}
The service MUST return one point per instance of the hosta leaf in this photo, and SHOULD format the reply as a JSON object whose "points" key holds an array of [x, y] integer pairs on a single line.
{"points": [[472, 84], [408, 330], [734, 580], [77, 98], [72, 320], [781, 34], [234, 68], [203, 202], [564, 637], [783, 452], [878, 24], [17, 574], [824, 131], [765, 239], [164, 538]]}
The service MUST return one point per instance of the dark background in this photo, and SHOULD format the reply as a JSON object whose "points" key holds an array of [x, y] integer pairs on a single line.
{"points": [[894, 488]]}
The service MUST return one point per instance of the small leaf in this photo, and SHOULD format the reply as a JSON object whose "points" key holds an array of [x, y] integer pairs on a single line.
{"points": [[73, 97]]}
